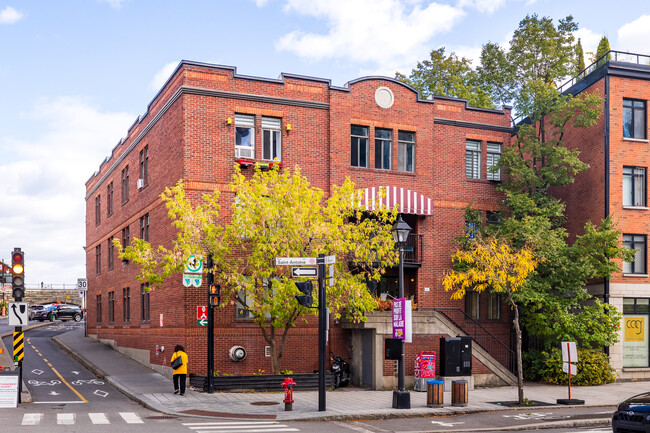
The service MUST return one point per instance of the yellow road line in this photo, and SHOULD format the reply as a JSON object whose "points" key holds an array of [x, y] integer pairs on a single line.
{"points": [[69, 386]]}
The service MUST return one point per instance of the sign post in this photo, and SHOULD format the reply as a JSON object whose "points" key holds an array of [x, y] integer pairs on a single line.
{"points": [[569, 356]]}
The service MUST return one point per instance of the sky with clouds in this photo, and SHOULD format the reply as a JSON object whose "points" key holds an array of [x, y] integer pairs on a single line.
{"points": [[75, 74]]}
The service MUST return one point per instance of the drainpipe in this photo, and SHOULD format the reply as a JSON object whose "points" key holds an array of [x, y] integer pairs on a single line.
{"points": [[607, 175]]}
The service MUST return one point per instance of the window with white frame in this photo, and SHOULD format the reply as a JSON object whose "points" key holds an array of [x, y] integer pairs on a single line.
{"points": [[638, 264], [383, 148], [244, 136], [406, 151], [473, 159], [271, 138], [493, 155], [359, 146], [242, 307], [634, 186]]}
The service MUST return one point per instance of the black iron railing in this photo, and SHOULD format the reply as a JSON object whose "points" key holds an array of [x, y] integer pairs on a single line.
{"points": [[484, 338], [413, 249], [617, 56]]}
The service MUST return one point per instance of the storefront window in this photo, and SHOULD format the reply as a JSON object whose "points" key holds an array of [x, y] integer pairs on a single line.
{"points": [[635, 335]]}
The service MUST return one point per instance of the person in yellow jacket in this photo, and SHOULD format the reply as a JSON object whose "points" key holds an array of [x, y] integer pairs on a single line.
{"points": [[180, 373]]}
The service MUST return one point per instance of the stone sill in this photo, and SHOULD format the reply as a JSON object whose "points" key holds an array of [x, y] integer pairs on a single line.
{"points": [[638, 140]]}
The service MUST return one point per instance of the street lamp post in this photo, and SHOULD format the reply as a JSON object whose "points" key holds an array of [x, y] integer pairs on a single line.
{"points": [[401, 397]]}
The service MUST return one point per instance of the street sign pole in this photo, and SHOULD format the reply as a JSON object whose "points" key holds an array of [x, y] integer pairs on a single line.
{"points": [[210, 281], [321, 332]]}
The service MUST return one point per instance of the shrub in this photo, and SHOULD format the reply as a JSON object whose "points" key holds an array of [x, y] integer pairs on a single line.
{"points": [[546, 366]]}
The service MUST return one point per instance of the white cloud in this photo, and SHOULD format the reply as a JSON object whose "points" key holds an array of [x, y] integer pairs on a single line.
{"points": [[387, 32], [115, 4], [483, 6], [44, 185], [10, 15], [634, 36], [162, 75]]}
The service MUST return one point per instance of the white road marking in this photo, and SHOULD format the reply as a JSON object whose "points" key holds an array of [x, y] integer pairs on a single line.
{"points": [[65, 418], [352, 427], [239, 427], [37, 372], [446, 424], [54, 393], [58, 402], [131, 418], [100, 393], [98, 418], [32, 418]]}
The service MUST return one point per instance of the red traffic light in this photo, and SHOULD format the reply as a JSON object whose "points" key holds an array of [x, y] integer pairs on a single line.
{"points": [[17, 257]]}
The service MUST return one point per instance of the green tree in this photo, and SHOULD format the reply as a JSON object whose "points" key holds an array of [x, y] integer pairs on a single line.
{"points": [[603, 48], [580, 58], [491, 264], [277, 214], [447, 76]]}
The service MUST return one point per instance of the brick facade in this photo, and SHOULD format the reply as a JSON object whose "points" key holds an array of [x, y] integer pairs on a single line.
{"points": [[187, 136]]}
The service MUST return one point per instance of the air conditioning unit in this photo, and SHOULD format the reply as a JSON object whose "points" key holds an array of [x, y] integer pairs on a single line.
{"points": [[140, 183], [244, 152]]}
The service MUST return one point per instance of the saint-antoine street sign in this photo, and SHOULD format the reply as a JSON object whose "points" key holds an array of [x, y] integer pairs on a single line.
{"points": [[289, 261]]}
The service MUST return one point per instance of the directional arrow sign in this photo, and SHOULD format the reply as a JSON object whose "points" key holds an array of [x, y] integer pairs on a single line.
{"points": [[202, 322], [304, 272]]}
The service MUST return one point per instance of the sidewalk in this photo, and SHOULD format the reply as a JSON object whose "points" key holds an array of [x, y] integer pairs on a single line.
{"points": [[155, 391]]}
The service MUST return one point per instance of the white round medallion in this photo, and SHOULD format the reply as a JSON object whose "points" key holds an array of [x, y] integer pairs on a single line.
{"points": [[384, 97]]}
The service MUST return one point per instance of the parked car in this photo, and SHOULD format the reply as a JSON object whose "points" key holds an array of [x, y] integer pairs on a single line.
{"points": [[633, 415], [63, 312], [33, 309]]}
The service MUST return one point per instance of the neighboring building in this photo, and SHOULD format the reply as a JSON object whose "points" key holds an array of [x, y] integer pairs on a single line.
{"points": [[618, 153], [433, 155]]}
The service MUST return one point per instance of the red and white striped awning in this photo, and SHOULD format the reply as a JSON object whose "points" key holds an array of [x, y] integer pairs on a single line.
{"points": [[409, 201]]}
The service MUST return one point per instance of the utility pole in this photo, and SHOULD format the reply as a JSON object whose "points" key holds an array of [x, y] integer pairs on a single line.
{"points": [[210, 345]]}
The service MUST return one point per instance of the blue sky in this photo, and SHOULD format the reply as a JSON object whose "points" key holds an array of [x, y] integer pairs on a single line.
{"points": [[75, 74]]}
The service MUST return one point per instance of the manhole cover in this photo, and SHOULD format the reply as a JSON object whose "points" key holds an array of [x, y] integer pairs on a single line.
{"points": [[264, 403]]}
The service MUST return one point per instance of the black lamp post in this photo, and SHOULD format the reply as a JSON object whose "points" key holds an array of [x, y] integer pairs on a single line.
{"points": [[401, 397]]}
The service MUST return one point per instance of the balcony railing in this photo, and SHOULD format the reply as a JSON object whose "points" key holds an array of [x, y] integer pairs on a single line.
{"points": [[617, 56], [413, 249]]}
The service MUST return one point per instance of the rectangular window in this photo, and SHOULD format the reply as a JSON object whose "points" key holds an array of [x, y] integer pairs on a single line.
{"points": [[126, 304], [125, 237], [359, 146], [244, 136], [111, 253], [144, 298], [634, 186], [638, 243], [109, 199], [144, 165], [493, 154], [492, 217], [111, 307], [99, 308], [242, 308], [383, 148], [98, 209], [144, 227], [271, 138], [634, 119], [406, 151], [636, 349], [473, 159], [98, 259], [472, 302], [494, 306], [125, 184]]}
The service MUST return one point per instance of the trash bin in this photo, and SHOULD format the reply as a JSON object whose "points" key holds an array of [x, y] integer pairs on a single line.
{"points": [[459, 393], [435, 393]]}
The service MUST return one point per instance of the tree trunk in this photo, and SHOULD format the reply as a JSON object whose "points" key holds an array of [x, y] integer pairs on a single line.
{"points": [[520, 368]]}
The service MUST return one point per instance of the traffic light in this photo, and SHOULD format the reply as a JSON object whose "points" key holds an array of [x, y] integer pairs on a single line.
{"points": [[305, 287], [215, 294], [18, 274]]}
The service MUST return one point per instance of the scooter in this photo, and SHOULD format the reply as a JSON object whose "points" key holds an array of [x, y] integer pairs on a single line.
{"points": [[341, 371]]}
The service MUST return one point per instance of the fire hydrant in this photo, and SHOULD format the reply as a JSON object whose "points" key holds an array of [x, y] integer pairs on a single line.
{"points": [[288, 385]]}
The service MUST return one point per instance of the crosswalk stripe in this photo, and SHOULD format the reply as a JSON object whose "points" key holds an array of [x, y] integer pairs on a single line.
{"points": [[98, 418], [239, 427], [246, 429], [65, 418], [32, 418], [131, 418]]}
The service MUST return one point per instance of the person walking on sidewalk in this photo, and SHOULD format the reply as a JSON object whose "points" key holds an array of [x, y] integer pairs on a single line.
{"points": [[180, 370]]}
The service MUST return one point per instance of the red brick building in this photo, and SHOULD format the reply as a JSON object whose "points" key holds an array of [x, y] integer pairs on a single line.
{"points": [[433, 155], [617, 151]]}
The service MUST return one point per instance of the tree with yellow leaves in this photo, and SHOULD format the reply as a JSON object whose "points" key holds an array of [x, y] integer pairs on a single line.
{"points": [[491, 264]]}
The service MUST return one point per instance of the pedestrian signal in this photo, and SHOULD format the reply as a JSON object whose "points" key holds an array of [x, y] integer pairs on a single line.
{"points": [[215, 294], [305, 287]]}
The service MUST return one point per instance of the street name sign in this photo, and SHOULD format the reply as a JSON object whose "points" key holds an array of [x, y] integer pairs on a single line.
{"points": [[283, 261], [18, 315], [304, 272]]}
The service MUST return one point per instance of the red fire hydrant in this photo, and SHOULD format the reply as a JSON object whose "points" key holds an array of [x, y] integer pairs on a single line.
{"points": [[288, 385]]}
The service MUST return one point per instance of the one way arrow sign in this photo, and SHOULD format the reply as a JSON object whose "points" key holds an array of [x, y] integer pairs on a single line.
{"points": [[304, 272]]}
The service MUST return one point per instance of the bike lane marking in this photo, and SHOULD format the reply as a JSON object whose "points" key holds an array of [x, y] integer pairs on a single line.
{"points": [[59, 375]]}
